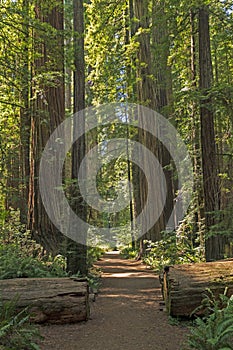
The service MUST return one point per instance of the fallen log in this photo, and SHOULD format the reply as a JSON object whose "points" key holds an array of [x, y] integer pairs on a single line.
{"points": [[49, 300], [184, 286]]}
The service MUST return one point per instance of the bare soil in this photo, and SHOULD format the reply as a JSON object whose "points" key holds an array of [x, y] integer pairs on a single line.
{"points": [[126, 314]]}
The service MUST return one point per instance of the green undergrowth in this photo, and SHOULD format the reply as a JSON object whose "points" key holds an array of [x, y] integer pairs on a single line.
{"points": [[214, 331], [94, 273], [129, 252], [16, 331], [170, 250], [22, 257], [93, 255], [16, 263]]}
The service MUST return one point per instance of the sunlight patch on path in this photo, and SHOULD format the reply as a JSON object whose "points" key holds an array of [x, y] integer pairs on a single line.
{"points": [[127, 274]]}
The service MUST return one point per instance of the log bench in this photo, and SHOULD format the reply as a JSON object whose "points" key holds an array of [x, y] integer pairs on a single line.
{"points": [[184, 286], [50, 300]]}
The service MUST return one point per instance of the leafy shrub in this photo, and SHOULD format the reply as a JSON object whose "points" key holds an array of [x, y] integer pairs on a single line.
{"points": [[94, 280], [215, 330], [94, 273], [16, 332], [20, 256], [15, 263], [169, 251], [94, 254], [129, 253]]}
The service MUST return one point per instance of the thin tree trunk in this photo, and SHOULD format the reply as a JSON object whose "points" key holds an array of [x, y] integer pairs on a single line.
{"points": [[130, 167], [25, 124], [198, 188]]}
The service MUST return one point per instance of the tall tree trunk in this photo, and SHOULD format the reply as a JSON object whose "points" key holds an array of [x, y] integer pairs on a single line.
{"points": [[163, 88], [147, 96], [77, 252], [132, 169], [48, 113], [195, 120], [134, 172], [213, 245]]}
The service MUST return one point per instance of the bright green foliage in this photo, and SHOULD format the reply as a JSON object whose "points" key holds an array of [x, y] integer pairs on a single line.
{"points": [[13, 52], [16, 332], [93, 255], [225, 222], [22, 257], [94, 280], [111, 179], [15, 263], [105, 45], [214, 332], [169, 251], [129, 253]]}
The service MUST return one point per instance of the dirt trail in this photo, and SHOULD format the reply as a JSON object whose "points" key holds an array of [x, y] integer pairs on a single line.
{"points": [[125, 316]]}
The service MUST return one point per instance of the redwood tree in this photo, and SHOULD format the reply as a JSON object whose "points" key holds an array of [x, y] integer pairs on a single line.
{"points": [[47, 113], [213, 246], [76, 252]]}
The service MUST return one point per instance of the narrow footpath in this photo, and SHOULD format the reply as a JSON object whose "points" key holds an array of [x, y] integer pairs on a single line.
{"points": [[125, 316]]}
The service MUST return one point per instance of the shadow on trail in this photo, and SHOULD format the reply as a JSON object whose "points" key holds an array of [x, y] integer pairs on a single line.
{"points": [[114, 263]]}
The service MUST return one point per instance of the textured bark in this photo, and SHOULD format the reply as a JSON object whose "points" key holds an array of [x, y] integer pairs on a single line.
{"points": [[163, 90], [48, 113], [134, 172], [76, 252], [195, 122], [147, 97], [131, 168], [49, 300], [214, 246], [184, 286]]}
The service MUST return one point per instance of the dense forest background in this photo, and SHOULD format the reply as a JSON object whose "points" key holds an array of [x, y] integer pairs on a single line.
{"points": [[174, 56]]}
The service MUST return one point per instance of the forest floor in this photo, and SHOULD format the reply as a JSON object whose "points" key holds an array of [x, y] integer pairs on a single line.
{"points": [[125, 316]]}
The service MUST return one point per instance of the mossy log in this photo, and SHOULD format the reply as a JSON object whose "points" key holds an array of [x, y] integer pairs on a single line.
{"points": [[184, 286], [49, 300]]}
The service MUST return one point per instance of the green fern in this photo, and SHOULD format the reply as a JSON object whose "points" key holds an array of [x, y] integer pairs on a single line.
{"points": [[215, 331], [16, 332]]}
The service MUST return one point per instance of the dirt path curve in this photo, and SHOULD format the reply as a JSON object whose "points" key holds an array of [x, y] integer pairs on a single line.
{"points": [[125, 316]]}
